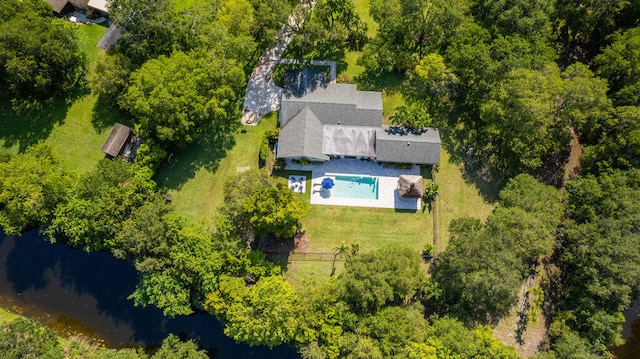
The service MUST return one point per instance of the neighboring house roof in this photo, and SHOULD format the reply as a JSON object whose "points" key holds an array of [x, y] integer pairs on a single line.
{"points": [[299, 82], [349, 140], [99, 5], [396, 144], [302, 137], [116, 140], [58, 5]]}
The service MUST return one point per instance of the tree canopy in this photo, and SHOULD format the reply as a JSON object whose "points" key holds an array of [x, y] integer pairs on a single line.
{"points": [[40, 56], [32, 185], [275, 210], [177, 99]]}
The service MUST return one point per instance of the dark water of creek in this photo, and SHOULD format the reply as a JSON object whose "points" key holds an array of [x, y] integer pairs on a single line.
{"points": [[77, 292]]}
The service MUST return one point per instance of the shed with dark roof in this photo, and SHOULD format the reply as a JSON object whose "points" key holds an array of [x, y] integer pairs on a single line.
{"points": [[116, 140]]}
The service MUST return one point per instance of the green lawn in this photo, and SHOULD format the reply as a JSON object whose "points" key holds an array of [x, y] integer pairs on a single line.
{"points": [[457, 198], [362, 8], [67, 127], [196, 177]]}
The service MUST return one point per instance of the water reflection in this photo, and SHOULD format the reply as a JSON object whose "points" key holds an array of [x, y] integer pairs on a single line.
{"points": [[631, 333], [74, 291]]}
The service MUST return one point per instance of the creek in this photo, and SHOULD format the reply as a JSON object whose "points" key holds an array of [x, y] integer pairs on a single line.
{"points": [[72, 291]]}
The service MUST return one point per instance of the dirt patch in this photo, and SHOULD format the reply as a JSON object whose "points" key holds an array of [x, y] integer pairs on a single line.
{"points": [[572, 166], [298, 244], [527, 337]]}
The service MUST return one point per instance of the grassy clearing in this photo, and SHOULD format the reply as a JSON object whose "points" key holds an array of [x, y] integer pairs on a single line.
{"points": [[362, 8], [196, 177], [330, 226], [458, 197], [68, 127], [76, 139]]}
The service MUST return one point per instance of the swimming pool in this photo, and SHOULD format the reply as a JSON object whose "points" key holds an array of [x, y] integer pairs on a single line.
{"points": [[363, 187]]}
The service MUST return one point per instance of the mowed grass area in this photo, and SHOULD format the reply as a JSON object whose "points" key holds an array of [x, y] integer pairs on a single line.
{"points": [[458, 198], [196, 178], [76, 139], [67, 127], [330, 226]]}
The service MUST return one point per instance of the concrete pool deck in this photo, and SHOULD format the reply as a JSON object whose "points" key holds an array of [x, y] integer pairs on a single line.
{"points": [[388, 196]]}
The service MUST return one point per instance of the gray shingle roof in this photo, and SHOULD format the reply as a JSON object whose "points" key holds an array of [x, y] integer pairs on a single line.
{"points": [[337, 119], [118, 136], [337, 104], [110, 38], [394, 144], [301, 137]]}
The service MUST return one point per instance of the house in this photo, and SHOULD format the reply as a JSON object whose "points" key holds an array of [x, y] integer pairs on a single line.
{"points": [[62, 7], [122, 142], [337, 120]]}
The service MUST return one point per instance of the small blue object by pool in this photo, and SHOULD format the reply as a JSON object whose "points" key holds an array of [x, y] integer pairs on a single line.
{"points": [[363, 187], [327, 183]]}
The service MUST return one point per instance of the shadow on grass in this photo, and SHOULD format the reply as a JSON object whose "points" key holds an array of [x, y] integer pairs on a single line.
{"points": [[475, 167], [25, 129], [106, 114], [206, 154], [390, 82]]}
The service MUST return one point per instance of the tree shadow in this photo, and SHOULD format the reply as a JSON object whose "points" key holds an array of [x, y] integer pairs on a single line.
{"points": [[475, 165], [205, 154], [106, 114], [389, 82], [24, 129]]}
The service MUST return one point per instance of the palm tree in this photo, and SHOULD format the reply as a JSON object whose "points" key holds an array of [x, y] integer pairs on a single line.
{"points": [[431, 192]]}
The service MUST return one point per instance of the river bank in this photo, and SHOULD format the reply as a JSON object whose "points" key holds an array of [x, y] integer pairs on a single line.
{"points": [[72, 291]]}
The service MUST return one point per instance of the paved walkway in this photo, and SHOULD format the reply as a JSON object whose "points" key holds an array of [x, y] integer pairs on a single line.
{"points": [[388, 196], [262, 95]]}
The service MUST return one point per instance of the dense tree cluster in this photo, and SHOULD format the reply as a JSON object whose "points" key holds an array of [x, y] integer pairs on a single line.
{"points": [[40, 56], [32, 185], [181, 75], [601, 255], [481, 271], [331, 28], [509, 83]]}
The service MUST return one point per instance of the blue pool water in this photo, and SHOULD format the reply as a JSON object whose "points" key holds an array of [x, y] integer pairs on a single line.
{"points": [[364, 187]]}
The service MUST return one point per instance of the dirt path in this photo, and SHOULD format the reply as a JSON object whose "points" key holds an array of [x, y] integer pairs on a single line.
{"points": [[514, 330], [573, 163]]}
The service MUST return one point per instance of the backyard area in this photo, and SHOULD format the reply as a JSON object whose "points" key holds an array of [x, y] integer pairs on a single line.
{"points": [[75, 130]]}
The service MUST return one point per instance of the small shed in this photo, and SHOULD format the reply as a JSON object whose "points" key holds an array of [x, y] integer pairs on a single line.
{"points": [[118, 137], [410, 186]]}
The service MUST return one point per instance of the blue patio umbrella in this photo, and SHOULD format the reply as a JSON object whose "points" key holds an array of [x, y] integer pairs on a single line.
{"points": [[327, 183]]}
